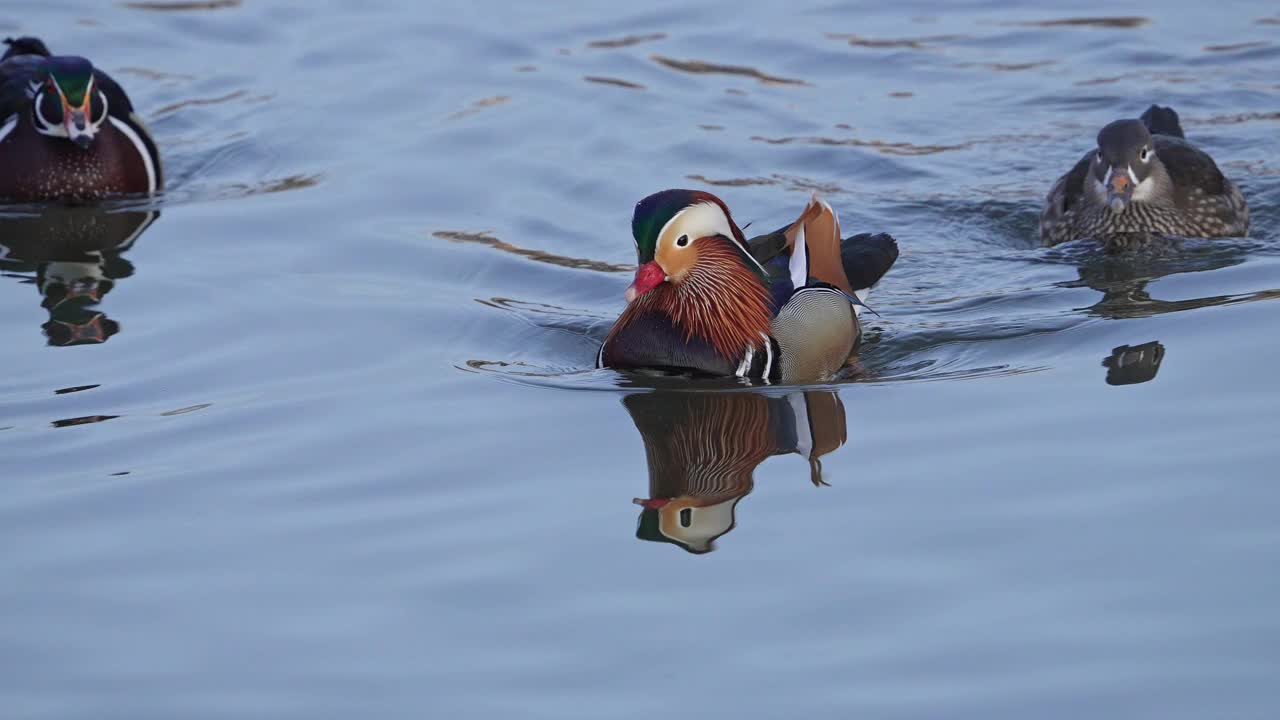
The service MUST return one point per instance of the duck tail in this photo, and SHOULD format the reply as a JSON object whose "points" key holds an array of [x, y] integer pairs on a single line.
{"points": [[814, 240], [26, 45], [1162, 121]]}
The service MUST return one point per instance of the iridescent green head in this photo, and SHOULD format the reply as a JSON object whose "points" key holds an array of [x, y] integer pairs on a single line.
{"points": [[68, 103]]}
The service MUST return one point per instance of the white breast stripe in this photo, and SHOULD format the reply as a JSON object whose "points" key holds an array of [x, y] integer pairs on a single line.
{"points": [[804, 433], [141, 147], [768, 357], [8, 127], [744, 367], [600, 357]]}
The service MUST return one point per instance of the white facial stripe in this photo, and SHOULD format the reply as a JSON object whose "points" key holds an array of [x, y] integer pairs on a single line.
{"points": [[44, 125], [700, 220], [1128, 171], [8, 127], [696, 221], [141, 147], [65, 129]]}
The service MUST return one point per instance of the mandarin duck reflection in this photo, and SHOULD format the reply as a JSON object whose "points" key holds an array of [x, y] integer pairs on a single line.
{"points": [[1144, 178], [702, 449], [782, 307]]}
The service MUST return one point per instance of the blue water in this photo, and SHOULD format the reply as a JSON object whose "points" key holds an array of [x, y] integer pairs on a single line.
{"points": [[335, 448]]}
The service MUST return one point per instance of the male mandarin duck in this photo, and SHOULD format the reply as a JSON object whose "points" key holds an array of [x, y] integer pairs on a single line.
{"points": [[1143, 178], [68, 131], [781, 308]]}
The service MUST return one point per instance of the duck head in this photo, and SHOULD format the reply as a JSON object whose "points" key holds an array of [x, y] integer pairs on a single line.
{"points": [[694, 267], [67, 102], [677, 230], [1124, 167]]}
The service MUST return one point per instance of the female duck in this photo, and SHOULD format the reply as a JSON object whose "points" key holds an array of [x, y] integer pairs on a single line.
{"points": [[1143, 179]]}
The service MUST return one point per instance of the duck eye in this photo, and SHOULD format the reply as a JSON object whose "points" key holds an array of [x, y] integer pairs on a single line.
{"points": [[682, 241], [1146, 153]]}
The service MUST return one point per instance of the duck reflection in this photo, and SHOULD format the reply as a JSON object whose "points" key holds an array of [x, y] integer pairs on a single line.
{"points": [[1132, 365], [1123, 278], [703, 448], [76, 254]]}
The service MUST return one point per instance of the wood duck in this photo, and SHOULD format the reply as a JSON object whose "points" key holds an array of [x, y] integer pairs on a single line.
{"points": [[68, 131], [702, 449], [1143, 179], [783, 307]]}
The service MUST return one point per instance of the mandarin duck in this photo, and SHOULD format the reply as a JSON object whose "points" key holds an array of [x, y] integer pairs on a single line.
{"points": [[702, 449], [783, 307], [68, 131], [1143, 179]]}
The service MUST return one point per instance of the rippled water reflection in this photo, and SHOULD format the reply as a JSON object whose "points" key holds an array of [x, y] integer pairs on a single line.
{"points": [[318, 431]]}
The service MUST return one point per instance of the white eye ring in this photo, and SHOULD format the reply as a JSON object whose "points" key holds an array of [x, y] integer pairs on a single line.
{"points": [[1144, 155], [682, 241]]}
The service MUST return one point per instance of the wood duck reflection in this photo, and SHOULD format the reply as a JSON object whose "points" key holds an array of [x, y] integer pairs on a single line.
{"points": [[703, 448], [76, 256]]}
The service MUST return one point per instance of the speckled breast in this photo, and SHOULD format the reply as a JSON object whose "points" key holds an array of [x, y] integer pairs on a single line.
{"points": [[34, 167]]}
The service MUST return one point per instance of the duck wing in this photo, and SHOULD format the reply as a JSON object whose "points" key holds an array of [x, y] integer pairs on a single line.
{"points": [[17, 75], [809, 250], [867, 257], [1189, 167]]}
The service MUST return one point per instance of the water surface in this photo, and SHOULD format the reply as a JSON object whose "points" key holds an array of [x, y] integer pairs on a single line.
{"points": [[324, 438]]}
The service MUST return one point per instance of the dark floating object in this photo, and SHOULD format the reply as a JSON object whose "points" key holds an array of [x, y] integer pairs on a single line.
{"points": [[1143, 180], [1132, 365]]}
